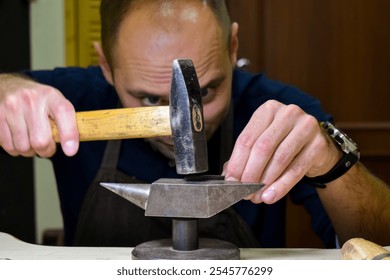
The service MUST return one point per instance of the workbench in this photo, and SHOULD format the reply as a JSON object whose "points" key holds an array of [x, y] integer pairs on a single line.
{"points": [[30, 261], [12, 248]]}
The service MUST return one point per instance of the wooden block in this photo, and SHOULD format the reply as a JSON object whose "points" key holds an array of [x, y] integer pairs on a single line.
{"points": [[361, 249]]}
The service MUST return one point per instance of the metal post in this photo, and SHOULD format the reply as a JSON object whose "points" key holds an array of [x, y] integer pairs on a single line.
{"points": [[185, 234]]}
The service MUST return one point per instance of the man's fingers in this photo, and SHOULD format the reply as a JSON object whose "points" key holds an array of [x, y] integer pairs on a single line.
{"points": [[289, 178], [19, 133], [263, 153], [40, 133], [258, 123], [300, 137], [6, 139]]}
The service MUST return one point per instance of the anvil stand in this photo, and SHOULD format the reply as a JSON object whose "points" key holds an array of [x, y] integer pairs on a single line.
{"points": [[190, 200], [186, 245]]}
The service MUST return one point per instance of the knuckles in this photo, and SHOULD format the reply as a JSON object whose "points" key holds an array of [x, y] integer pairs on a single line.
{"points": [[45, 147], [23, 99], [64, 108], [11, 103]]}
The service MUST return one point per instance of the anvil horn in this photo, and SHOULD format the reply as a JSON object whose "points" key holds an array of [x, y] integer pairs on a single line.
{"points": [[137, 194]]}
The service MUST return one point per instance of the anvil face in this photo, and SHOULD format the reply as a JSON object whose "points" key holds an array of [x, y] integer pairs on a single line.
{"points": [[179, 198], [204, 199]]}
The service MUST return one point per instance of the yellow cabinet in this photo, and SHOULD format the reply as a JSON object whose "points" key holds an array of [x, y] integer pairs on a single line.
{"points": [[82, 24]]}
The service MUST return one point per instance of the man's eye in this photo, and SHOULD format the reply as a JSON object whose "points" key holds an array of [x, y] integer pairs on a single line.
{"points": [[151, 100], [204, 91]]}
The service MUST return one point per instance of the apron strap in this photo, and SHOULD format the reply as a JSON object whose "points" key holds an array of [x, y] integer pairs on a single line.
{"points": [[112, 151], [111, 155]]}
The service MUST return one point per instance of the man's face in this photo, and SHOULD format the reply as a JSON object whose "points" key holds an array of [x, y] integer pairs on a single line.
{"points": [[145, 49]]}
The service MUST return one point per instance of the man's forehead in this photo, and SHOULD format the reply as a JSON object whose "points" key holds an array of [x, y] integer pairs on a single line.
{"points": [[154, 83], [143, 41]]}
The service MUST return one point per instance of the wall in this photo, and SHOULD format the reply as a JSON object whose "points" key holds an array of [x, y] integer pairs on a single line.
{"points": [[16, 173], [47, 51]]}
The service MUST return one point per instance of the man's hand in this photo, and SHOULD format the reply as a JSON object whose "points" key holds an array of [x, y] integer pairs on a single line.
{"points": [[278, 147], [25, 110]]}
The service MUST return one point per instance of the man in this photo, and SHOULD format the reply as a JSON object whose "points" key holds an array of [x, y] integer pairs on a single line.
{"points": [[278, 138]]}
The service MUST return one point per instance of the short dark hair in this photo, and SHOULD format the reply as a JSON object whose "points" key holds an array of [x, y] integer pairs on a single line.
{"points": [[112, 13]]}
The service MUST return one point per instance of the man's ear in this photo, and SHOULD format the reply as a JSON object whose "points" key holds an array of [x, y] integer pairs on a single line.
{"points": [[106, 69], [234, 43]]}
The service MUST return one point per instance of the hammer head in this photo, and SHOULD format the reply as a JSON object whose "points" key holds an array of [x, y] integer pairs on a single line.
{"points": [[186, 114]]}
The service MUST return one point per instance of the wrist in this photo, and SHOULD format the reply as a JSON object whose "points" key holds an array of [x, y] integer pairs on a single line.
{"points": [[350, 155]]}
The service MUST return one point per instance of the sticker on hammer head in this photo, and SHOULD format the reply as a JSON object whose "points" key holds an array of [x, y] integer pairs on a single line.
{"points": [[197, 119]]}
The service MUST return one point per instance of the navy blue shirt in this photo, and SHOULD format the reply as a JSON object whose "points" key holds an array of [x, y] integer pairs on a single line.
{"points": [[87, 89]]}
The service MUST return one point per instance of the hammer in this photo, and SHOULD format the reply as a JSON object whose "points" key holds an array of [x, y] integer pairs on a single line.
{"points": [[181, 119]]}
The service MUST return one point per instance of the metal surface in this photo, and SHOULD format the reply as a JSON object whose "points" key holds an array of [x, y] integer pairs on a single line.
{"points": [[185, 234], [209, 249], [178, 198], [188, 132], [137, 194]]}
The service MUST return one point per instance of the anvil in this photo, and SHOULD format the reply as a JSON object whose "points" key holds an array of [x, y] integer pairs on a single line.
{"points": [[185, 201], [184, 198]]}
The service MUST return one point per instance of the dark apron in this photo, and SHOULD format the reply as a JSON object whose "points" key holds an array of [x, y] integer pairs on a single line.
{"points": [[106, 219]]}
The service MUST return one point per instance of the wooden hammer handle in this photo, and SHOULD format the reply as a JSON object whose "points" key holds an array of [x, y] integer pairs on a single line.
{"points": [[361, 249], [140, 122]]}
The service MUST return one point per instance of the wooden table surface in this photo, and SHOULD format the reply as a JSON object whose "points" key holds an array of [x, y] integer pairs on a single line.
{"points": [[12, 248]]}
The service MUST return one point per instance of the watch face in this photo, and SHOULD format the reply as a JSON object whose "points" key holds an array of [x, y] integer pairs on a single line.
{"points": [[346, 144]]}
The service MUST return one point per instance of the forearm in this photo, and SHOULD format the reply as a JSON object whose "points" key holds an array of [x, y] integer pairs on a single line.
{"points": [[359, 206]]}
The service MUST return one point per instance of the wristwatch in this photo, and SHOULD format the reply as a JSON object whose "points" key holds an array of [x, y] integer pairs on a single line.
{"points": [[351, 155]]}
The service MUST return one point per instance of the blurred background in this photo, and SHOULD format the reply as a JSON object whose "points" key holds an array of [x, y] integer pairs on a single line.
{"points": [[335, 50]]}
